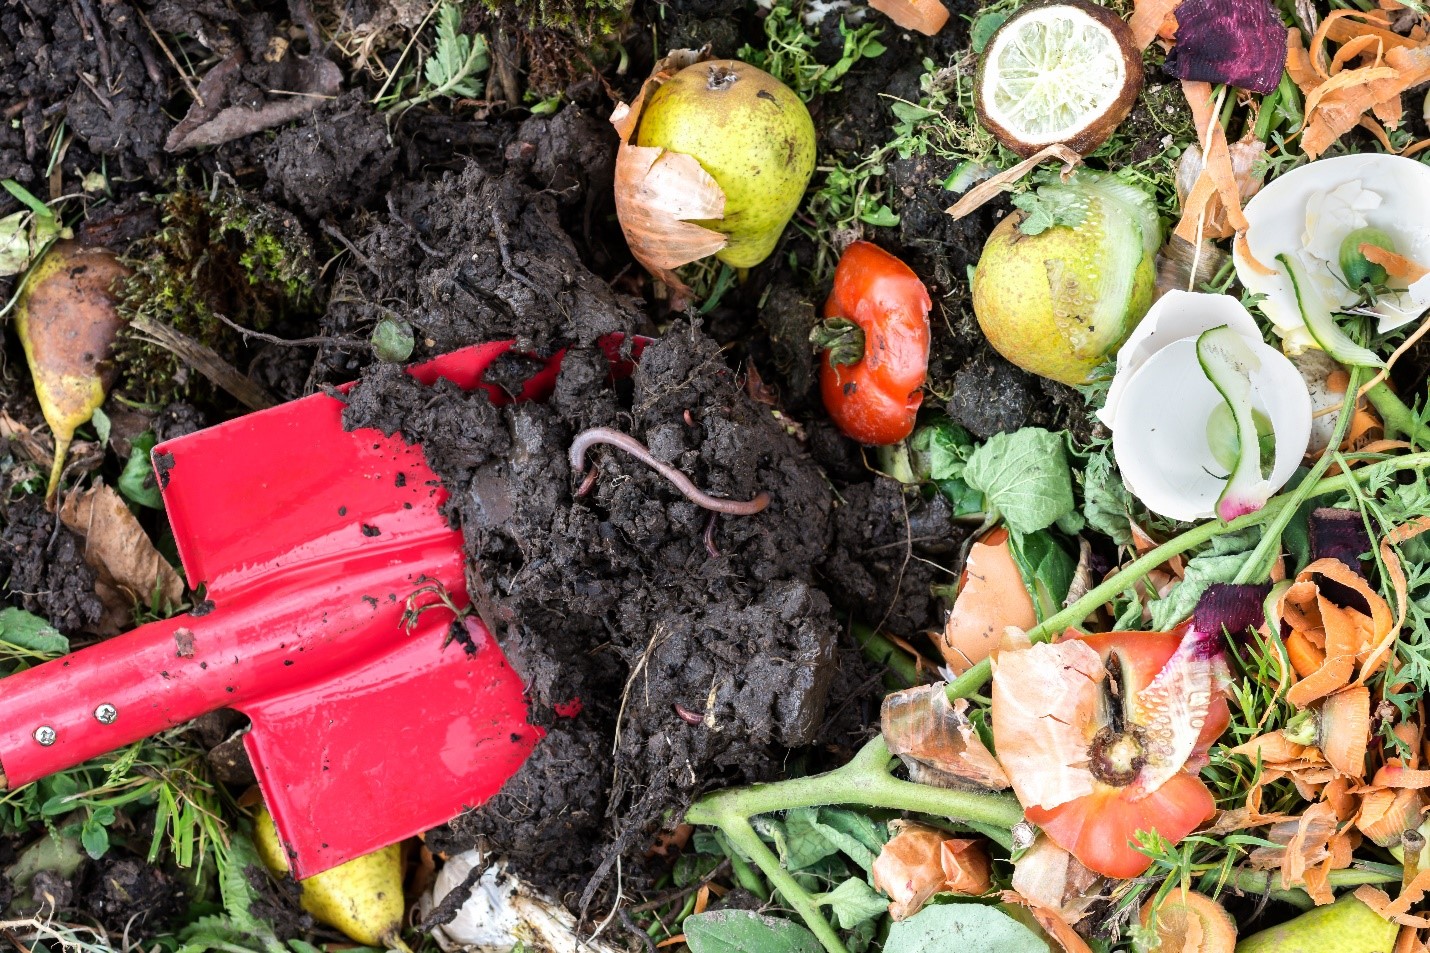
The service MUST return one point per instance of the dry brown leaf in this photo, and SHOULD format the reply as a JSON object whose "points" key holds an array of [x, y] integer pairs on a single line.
{"points": [[660, 194], [130, 570], [920, 861], [1216, 190], [310, 80], [922, 726], [1346, 644], [991, 597]]}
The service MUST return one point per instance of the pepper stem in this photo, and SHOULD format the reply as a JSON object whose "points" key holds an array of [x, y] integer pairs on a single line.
{"points": [[842, 338]]}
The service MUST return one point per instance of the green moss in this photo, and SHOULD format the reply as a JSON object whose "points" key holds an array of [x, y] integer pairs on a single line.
{"points": [[230, 254], [587, 19]]}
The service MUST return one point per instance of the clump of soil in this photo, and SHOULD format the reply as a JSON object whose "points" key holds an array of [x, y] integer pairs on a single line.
{"points": [[42, 568], [699, 643]]}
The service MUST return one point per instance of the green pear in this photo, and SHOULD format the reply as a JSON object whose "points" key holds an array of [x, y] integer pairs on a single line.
{"points": [[754, 137], [1063, 281], [1346, 926]]}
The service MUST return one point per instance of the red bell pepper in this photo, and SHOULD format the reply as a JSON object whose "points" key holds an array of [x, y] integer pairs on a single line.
{"points": [[876, 340]]}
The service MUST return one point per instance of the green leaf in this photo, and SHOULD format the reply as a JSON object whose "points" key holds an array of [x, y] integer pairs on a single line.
{"points": [[27, 631], [962, 928], [102, 426], [941, 450], [1219, 563], [1046, 568], [393, 340], [740, 931], [1025, 477], [858, 836], [453, 65], [14, 243], [137, 481], [1106, 504], [1045, 209], [853, 902], [95, 838], [984, 28], [881, 215]]}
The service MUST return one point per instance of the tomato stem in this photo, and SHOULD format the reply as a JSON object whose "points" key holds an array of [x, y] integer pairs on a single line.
{"points": [[866, 781], [1133, 572], [1397, 416]]}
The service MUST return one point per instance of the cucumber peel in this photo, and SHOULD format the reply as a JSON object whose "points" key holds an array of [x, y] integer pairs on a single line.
{"points": [[1228, 362], [1319, 320]]}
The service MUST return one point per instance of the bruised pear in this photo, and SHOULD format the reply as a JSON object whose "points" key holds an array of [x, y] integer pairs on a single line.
{"points": [[362, 898], [753, 136], [67, 317], [1063, 281]]}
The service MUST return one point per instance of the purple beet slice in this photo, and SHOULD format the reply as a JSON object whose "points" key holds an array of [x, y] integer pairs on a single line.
{"points": [[1238, 42]]}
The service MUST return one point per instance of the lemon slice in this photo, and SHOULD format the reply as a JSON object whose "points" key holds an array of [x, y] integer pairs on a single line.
{"points": [[1065, 72]]}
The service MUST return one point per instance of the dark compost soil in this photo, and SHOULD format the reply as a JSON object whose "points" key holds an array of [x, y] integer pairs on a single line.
{"points": [[705, 650]]}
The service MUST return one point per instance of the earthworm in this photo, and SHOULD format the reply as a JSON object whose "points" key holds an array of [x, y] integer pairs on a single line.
{"points": [[588, 438], [710, 546], [688, 716]]}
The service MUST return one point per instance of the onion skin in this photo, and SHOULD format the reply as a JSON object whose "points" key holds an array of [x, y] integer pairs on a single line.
{"points": [[67, 317], [1097, 132]]}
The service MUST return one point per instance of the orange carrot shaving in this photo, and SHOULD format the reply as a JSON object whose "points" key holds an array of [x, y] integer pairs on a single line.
{"points": [[1189, 922], [1347, 638], [925, 16], [1397, 266]]}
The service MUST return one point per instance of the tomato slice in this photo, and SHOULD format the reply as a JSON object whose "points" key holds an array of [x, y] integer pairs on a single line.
{"points": [[1098, 828]]}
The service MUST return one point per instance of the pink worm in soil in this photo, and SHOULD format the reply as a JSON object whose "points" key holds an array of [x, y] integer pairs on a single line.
{"points": [[589, 438]]}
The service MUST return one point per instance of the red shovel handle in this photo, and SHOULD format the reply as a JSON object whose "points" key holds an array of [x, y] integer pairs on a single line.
{"points": [[59, 714]]}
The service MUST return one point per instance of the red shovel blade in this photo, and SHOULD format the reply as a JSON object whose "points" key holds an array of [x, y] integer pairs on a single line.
{"points": [[308, 541]]}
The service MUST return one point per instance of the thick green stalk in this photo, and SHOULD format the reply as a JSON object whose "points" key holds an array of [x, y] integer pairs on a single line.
{"points": [[1260, 881], [1258, 566], [886, 653], [867, 781], [743, 837], [1397, 416], [969, 682]]}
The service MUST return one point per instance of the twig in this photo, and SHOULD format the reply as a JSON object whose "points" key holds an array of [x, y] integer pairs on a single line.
{"points": [[207, 362], [720, 870], [164, 48], [291, 342]]}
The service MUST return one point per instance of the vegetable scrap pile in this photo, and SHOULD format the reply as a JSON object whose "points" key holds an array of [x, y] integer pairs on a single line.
{"points": [[1058, 564]]}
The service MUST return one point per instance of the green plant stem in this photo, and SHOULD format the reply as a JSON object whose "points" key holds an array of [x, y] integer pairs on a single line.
{"points": [[1099, 595], [1257, 568], [1397, 416], [866, 780], [883, 652], [743, 837], [1260, 881]]}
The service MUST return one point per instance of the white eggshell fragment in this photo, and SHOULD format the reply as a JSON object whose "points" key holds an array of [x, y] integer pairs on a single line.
{"points": [[1307, 212], [1161, 402], [502, 914]]}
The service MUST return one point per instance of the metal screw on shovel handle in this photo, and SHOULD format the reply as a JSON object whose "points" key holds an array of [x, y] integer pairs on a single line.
{"points": [[305, 541]]}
